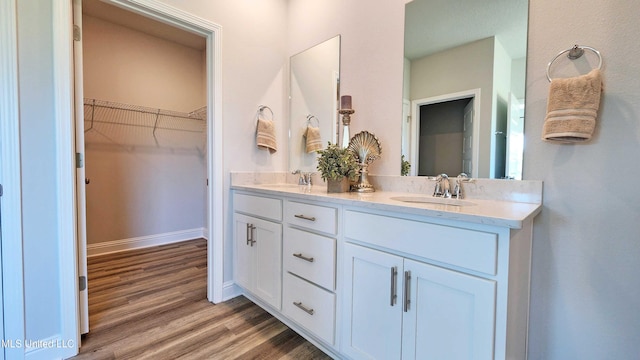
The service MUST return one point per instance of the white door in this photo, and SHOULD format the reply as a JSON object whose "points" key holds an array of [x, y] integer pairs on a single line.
{"points": [[372, 304], [267, 241], [81, 221], [515, 138], [243, 262], [450, 315], [1, 288], [467, 139]]}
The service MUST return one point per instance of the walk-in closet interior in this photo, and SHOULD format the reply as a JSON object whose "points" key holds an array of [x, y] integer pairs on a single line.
{"points": [[144, 130]]}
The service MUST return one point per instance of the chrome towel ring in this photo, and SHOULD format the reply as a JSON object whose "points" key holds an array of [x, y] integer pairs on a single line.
{"points": [[574, 53]]}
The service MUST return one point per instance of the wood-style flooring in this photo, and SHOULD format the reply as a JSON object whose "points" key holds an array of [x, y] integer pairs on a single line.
{"points": [[151, 304]]}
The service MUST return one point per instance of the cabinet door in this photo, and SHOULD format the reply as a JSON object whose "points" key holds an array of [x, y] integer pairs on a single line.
{"points": [[267, 237], [258, 257], [450, 314], [372, 321], [244, 262]]}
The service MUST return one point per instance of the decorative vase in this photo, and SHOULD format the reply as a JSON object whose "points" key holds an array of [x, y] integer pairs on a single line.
{"points": [[338, 186]]}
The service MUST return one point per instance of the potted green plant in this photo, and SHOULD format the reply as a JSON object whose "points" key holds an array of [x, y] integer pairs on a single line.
{"points": [[337, 167]]}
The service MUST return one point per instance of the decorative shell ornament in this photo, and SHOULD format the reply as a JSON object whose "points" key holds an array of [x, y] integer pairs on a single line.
{"points": [[367, 148]]}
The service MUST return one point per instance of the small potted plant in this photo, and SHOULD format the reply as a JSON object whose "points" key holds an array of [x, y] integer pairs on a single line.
{"points": [[337, 167]]}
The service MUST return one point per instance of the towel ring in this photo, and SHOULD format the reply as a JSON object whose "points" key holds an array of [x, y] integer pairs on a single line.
{"points": [[261, 109], [574, 52], [311, 117]]}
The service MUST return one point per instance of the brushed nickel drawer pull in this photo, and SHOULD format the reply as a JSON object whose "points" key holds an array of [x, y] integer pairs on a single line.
{"points": [[303, 308], [300, 216], [300, 256]]}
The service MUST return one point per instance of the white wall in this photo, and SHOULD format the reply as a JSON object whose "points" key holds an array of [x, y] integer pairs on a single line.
{"points": [[140, 187], [462, 68], [585, 296]]}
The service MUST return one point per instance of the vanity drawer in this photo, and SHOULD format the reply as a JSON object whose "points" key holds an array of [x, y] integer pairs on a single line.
{"points": [[470, 249], [265, 207], [314, 217], [310, 256], [309, 306]]}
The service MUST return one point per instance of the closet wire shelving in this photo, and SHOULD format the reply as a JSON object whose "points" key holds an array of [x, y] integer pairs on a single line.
{"points": [[139, 126]]}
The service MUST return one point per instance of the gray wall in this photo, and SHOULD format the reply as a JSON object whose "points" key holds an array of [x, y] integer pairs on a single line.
{"points": [[585, 296]]}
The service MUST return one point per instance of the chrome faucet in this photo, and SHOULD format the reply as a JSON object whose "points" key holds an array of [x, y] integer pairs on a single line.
{"points": [[305, 177], [442, 188], [457, 189]]}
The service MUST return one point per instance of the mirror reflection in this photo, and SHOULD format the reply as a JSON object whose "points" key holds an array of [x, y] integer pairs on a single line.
{"points": [[313, 104], [464, 85]]}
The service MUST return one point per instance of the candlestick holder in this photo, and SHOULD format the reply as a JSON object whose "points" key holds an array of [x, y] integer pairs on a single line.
{"points": [[346, 120]]}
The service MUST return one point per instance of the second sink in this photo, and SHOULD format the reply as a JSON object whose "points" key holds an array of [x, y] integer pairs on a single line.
{"points": [[432, 200]]}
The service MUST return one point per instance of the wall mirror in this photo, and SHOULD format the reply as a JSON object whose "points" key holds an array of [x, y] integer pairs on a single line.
{"points": [[313, 102], [464, 84]]}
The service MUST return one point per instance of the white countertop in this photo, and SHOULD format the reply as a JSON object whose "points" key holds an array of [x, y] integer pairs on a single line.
{"points": [[490, 212]]}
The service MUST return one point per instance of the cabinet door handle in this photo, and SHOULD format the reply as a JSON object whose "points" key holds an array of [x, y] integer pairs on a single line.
{"points": [[303, 308], [300, 216], [250, 228], [394, 285], [300, 256], [407, 279]]}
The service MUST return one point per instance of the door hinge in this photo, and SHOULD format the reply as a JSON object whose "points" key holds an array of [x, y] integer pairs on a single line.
{"points": [[82, 283], [77, 33], [79, 160]]}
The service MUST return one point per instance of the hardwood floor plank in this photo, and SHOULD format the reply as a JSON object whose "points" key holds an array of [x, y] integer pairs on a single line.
{"points": [[151, 304]]}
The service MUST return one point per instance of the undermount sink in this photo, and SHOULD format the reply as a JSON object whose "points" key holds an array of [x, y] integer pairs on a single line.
{"points": [[432, 200]]}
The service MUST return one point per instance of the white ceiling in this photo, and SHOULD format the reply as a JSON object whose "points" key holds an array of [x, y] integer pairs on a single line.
{"points": [[435, 25], [116, 15]]}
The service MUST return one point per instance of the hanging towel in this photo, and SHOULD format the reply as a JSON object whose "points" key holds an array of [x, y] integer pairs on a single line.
{"points": [[572, 108], [314, 142], [266, 135]]}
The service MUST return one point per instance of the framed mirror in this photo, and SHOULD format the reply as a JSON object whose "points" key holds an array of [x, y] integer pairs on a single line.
{"points": [[464, 85], [313, 102]]}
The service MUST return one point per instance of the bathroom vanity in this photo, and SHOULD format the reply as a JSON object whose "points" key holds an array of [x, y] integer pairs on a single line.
{"points": [[388, 275]]}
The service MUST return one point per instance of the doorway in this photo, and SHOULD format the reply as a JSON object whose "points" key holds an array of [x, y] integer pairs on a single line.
{"points": [[443, 134], [212, 152]]}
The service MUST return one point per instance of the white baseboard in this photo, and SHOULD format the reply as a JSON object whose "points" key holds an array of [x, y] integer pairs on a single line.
{"points": [[50, 348], [143, 241], [230, 290]]}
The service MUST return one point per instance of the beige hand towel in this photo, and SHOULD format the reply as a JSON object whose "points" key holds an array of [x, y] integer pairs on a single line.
{"points": [[266, 135], [572, 108], [314, 141]]}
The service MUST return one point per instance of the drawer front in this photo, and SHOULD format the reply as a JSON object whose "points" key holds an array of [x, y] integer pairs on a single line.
{"points": [[257, 205], [310, 256], [470, 249], [309, 306], [314, 217]]}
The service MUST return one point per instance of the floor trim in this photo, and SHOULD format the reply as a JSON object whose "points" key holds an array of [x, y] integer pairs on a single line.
{"points": [[140, 242]]}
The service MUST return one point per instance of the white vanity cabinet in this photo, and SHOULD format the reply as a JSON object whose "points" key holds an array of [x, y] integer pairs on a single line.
{"points": [[363, 278], [420, 290], [258, 246], [309, 260]]}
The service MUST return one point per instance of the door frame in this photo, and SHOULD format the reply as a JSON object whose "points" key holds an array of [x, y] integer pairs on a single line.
{"points": [[63, 82], [415, 125], [11, 204]]}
